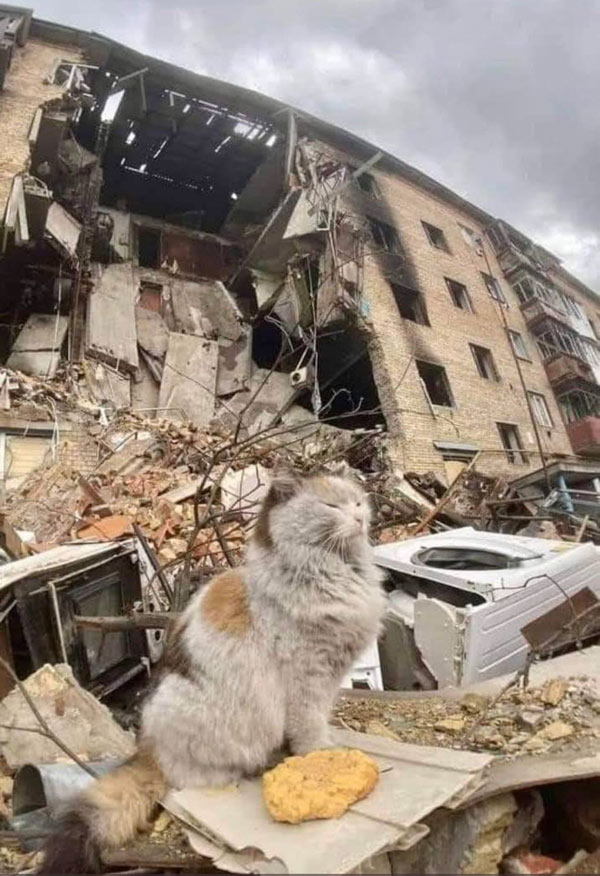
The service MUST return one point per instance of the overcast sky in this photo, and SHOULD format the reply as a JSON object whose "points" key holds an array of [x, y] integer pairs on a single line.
{"points": [[498, 99]]}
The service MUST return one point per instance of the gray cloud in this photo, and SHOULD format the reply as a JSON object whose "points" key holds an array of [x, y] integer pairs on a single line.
{"points": [[496, 100]]}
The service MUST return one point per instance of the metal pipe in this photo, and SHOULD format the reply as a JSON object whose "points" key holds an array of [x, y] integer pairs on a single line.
{"points": [[57, 617], [49, 785]]}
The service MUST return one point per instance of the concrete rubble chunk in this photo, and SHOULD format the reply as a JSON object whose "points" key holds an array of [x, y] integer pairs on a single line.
{"points": [[75, 715], [554, 691], [468, 841], [37, 348]]}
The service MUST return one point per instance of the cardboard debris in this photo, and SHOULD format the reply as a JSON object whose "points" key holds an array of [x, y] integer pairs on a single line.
{"points": [[75, 716], [226, 824]]}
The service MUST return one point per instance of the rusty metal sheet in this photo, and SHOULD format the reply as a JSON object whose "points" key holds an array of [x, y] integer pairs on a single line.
{"points": [[577, 616]]}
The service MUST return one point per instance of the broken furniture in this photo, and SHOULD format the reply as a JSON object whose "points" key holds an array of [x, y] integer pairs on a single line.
{"points": [[40, 596]]}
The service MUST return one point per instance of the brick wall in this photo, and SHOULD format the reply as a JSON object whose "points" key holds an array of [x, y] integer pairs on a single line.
{"points": [[78, 451], [24, 90], [479, 403]]}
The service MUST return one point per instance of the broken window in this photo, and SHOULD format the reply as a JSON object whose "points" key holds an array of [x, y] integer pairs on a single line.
{"points": [[410, 304], [524, 290], [540, 410], [459, 295], [496, 239], [436, 236], [385, 235], [484, 361], [471, 237], [592, 356], [518, 344], [511, 441], [368, 184], [149, 247], [436, 384], [577, 405], [493, 287]]}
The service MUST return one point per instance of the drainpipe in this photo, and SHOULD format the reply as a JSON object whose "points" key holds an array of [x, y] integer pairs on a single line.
{"points": [[538, 440]]}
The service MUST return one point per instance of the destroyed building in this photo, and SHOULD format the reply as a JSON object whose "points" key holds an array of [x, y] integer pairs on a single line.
{"points": [[199, 250]]}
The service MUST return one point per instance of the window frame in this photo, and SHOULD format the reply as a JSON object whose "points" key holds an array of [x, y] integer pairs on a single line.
{"points": [[463, 289], [491, 283], [536, 399], [372, 189], [446, 383], [470, 236], [436, 237], [515, 455], [398, 290], [484, 361], [380, 232], [512, 334]]}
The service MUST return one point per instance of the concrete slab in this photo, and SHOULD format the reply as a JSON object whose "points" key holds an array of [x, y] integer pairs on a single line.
{"points": [[152, 333], [205, 308], [190, 378], [235, 364], [110, 327]]}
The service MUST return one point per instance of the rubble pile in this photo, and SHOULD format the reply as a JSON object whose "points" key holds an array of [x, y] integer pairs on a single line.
{"points": [[148, 472], [530, 720]]}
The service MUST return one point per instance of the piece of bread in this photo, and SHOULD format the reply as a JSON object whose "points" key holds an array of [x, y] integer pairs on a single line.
{"points": [[322, 784]]}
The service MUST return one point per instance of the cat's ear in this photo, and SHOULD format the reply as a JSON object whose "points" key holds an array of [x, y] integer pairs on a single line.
{"points": [[285, 482]]}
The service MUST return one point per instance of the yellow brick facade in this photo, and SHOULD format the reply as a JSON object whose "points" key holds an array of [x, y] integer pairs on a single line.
{"points": [[479, 404], [24, 90]]}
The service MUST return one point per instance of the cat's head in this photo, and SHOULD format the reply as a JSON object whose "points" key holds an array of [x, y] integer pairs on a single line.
{"points": [[326, 510]]}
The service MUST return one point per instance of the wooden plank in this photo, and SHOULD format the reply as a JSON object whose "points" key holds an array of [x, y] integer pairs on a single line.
{"points": [[189, 379], [111, 329]]}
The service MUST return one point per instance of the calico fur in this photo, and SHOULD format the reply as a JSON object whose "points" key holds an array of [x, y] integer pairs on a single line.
{"points": [[254, 662]]}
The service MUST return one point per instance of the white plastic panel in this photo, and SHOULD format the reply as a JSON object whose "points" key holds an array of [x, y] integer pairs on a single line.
{"points": [[438, 639]]}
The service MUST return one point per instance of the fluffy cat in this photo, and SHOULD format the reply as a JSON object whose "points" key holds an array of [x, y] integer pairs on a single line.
{"points": [[251, 666]]}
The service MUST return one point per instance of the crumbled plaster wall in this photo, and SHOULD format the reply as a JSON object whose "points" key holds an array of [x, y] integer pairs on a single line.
{"points": [[24, 90], [480, 403]]}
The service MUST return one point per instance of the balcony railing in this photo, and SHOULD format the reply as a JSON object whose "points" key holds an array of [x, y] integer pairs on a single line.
{"points": [[536, 310], [563, 368], [585, 436]]}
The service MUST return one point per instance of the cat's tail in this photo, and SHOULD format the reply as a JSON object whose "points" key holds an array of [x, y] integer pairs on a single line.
{"points": [[108, 814]]}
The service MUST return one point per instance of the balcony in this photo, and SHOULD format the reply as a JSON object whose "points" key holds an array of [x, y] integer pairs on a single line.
{"points": [[563, 369], [585, 436], [536, 310]]}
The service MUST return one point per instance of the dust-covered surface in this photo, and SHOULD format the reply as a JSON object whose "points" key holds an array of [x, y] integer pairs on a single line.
{"points": [[522, 722]]}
